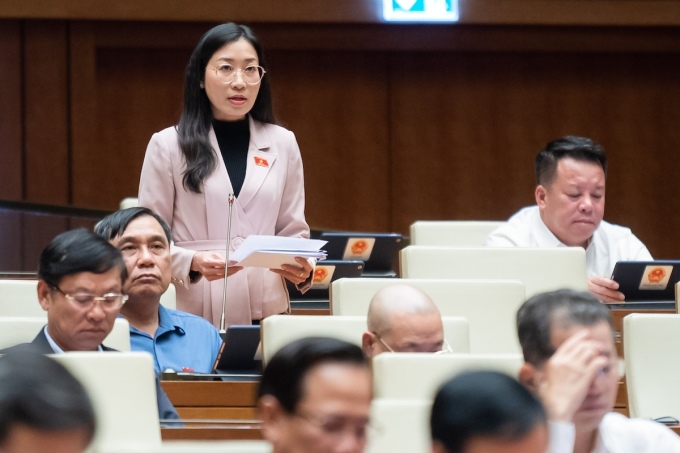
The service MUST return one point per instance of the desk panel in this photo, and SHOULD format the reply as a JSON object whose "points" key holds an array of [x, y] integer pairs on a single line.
{"points": [[202, 394], [213, 410], [213, 432], [217, 413]]}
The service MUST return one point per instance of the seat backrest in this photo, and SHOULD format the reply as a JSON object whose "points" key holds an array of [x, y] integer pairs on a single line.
{"points": [[279, 330], [456, 233], [122, 388], [650, 350], [541, 269], [216, 446], [129, 202], [418, 376], [20, 298], [490, 306], [400, 426], [169, 298], [17, 330]]}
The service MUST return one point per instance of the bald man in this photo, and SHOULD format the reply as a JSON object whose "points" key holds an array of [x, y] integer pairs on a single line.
{"points": [[402, 318]]}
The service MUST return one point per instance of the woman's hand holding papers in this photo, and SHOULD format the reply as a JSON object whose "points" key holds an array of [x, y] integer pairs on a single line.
{"points": [[296, 274], [211, 265]]}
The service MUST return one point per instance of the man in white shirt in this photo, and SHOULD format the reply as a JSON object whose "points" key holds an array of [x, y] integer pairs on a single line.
{"points": [[402, 318], [571, 364], [570, 193]]}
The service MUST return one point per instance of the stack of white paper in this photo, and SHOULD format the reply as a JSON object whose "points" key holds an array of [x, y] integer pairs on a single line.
{"points": [[273, 251]]}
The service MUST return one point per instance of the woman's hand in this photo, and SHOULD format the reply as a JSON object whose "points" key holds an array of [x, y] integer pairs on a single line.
{"points": [[296, 274], [211, 265]]}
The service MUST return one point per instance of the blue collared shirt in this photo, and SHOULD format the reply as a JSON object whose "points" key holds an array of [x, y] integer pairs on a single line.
{"points": [[182, 340]]}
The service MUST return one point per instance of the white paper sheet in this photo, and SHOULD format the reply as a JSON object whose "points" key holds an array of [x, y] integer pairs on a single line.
{"points": [[273, 251]]}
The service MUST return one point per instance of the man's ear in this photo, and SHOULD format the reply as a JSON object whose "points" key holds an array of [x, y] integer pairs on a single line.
{"points": [[540, 194], [368, 339], [528, 378], [44, 295], [270, 412]]}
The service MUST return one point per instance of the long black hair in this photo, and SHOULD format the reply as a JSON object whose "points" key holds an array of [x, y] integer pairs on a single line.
{"points": [[195, 121]]}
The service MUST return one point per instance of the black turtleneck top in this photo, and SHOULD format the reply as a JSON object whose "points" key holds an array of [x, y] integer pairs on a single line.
{"points": [[233, 138]]}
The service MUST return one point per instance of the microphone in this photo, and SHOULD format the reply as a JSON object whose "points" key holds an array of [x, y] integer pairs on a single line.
{"points": [[223, 330]]}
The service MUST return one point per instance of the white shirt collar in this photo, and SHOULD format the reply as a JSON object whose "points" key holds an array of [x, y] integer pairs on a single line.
{"points": [[55, 346]]}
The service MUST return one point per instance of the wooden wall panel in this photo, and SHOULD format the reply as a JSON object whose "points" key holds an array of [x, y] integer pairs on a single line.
{"points": [[11, 240], [138, 92], [455, 119], [475, 133], [11, 111], [47, 112], [86, 151], [41, 229], [391, 129], [336, 104]]}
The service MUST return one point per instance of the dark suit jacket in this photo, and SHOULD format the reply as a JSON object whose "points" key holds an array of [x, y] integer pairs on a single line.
{"points": [[166, 411]]}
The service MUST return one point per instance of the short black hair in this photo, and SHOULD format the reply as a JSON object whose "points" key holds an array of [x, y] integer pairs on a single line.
{"points": [[537, 316], [115, 224], [39, 392], [78, 251], [577, 148], [284, 375], [483, 404]]}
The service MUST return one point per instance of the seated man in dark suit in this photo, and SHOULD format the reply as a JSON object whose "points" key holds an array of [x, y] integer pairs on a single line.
{"points": [[80, 287], [42, 411]]}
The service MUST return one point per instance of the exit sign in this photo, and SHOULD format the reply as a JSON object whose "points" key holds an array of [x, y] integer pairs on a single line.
{"points": [[420, 10]]}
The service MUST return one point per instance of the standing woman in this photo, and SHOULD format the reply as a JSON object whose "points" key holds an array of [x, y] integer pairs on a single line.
{"points": [[227, 141]]}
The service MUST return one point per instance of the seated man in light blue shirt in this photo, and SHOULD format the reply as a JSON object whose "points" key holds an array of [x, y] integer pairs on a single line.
{"points": [[177, 340]]}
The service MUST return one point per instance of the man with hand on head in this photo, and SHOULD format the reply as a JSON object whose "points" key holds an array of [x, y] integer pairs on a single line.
{"points": [[177, 340], [80, 286], [571, 364], [315, 396], [402, 318], [571, 176]]}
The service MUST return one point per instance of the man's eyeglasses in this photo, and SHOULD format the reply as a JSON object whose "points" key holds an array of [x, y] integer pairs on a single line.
{"points": [[337, 426], [85, 301], [445, 348], [251, 75]]}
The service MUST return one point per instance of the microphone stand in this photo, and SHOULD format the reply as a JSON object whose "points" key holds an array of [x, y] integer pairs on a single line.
{"points": [[223, 330]]}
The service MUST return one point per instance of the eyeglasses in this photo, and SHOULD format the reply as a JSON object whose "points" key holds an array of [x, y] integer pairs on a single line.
{"points": [[337, 425], [85, 301], [445, 349], [251, 75]]}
